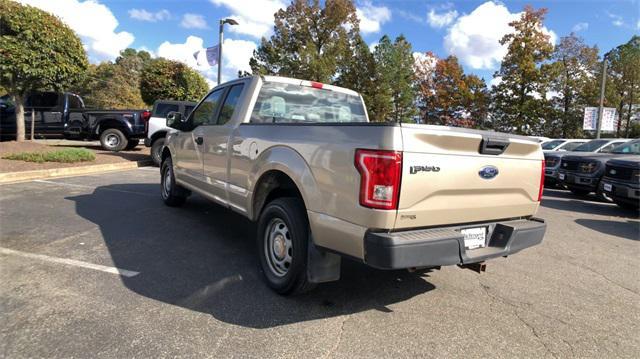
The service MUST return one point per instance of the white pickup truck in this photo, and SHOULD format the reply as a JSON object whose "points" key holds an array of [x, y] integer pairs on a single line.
{"points": [[157, 129], [302, 159]]}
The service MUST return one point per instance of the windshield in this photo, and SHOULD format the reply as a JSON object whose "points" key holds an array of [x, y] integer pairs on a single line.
{"points": [[289, 103], [632, 148], [552, 144], [570, 146], [590, 146]]}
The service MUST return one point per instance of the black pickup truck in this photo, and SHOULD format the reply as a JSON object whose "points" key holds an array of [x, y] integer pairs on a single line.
{"points": [[63, 115]]}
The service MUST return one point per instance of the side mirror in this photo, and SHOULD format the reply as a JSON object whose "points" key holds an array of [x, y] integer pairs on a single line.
{"points": [[175, 120]]}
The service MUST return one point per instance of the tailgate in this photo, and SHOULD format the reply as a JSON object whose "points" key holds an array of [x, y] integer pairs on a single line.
{"points": [[448, 179]]}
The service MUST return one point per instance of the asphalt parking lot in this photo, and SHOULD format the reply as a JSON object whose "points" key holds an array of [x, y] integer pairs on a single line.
{"points": [[97, 266]]}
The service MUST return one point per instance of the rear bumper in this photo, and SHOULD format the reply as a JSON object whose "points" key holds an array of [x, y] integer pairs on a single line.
{"points": [[445, 246]]}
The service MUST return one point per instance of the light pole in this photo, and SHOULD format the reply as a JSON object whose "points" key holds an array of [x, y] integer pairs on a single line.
{"points": [[602, 86], [221, 31]]}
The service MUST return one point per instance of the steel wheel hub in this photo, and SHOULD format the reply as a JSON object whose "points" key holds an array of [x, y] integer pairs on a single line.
{"points": [[278, 247], [112, 140]]}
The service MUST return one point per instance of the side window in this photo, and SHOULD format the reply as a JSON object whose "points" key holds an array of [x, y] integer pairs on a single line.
{"points": [[609, 147], [75, 102], [187, 110], [162, 109], [204, 113], [229, 105]]}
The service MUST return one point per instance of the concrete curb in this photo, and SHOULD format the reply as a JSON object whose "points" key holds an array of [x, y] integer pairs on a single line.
{"points": [[12, 177]]}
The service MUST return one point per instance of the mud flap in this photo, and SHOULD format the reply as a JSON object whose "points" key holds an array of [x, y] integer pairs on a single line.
{"points": [[322, 266]]}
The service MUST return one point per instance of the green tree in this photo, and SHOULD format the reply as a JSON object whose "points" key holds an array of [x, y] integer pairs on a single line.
{"points": [[518, 100], [395, 63], [572, 75], [171, 80], [625, 71], [37, 52], [309, 40], [359, 72], [115, 85]]}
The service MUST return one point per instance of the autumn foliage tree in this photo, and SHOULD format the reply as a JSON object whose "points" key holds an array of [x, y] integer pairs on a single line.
{"points": [[394, 61], [37, 52], [625, 69], [519, 103], [447, 95]]}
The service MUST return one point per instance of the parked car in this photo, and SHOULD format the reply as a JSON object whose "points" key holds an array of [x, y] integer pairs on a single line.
{"points": [[157, 125], [561, 144], [302, 160], [539, 139], [552, 158], [582, 173], [621, 181], [63, 115]]}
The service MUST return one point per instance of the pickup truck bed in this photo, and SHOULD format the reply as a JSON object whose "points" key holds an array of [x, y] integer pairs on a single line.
{"points": [[390, 195]]}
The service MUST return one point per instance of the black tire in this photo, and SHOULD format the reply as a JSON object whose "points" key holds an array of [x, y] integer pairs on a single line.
{"points": [[627, 205], [172, 194], [112, 139], [132, 143], [579, 192], [156, 151], [283, 279]]}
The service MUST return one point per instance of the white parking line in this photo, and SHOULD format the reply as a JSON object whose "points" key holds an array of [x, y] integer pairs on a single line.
{"points": [[71, 262], [93, 187]]}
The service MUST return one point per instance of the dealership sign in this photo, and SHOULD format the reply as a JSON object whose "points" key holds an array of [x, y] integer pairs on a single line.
{"points": [[609, 120]]}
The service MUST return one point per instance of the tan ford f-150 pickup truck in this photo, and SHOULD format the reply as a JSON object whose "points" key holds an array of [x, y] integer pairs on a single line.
{"points": [[302, 159]]}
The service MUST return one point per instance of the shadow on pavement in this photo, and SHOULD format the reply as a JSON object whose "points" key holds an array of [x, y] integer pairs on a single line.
{"points": [[628, 230], [601, 208], [201, 257]]}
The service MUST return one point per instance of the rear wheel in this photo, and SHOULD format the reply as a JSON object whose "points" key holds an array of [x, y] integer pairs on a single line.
{"points": [[172, 194], [156, 151], [131, 144], [112, 139], [283, 237]]}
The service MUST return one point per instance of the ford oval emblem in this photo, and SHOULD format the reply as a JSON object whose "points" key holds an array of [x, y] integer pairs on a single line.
{"points": [[488, 172]]}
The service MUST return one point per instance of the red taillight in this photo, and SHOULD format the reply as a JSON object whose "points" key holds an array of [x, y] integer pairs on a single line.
{"points": [[380, 173], [316, 85], [541, 182], [146, 115]]}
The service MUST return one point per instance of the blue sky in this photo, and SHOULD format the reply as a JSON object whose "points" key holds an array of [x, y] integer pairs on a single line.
{"points": [[468, 29]]}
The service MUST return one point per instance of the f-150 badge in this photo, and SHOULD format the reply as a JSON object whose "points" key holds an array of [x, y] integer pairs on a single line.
{"points": [[415, 169]]}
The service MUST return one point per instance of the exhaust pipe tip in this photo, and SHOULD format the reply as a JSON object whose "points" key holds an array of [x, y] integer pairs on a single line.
{"points": [[476, 267]]}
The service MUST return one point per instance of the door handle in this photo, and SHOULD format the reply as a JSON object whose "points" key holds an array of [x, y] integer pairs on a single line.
{"points": [[199, 140]]}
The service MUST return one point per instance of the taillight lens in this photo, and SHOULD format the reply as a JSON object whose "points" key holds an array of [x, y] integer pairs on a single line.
{"points": [[541, 182], [380, 173], [146, 115]]}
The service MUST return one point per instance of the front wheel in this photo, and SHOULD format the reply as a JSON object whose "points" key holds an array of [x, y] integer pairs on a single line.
{"points": [[283, 237], [156, 151], [172, 194], [112, 139]]}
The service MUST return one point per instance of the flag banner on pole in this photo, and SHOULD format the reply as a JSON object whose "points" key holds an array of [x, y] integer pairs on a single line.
{"points": [[212, 55], [195, 55]]}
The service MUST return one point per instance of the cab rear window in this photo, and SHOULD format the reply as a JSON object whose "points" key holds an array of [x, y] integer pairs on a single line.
{"points": [[289, 103]]}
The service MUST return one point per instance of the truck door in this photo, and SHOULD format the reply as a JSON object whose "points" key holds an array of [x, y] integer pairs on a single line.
{"points": [[189, 145], [50, 106], [216, 141]]}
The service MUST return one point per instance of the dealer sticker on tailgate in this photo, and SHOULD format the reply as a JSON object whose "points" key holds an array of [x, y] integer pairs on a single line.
{"points": [[474, 237]]}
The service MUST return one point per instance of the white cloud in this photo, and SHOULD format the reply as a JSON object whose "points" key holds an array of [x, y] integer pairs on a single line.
{"points": [[372, 17], [93, 22], [581, 26], [616, 20], [193, 21], [254, 19], [474, 38], [441, 20], [236, 55], [144, 15]]}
